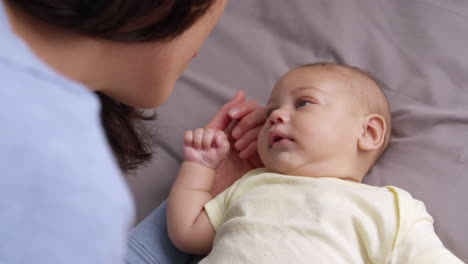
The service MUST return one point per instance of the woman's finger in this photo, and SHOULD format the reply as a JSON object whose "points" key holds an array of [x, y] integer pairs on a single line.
{"points": [[222, 119], [242, 109], [248, 122], [247, 138], [250, 150], [255, 161]]}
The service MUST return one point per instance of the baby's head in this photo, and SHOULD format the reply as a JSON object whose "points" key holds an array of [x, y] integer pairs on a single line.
{"points": [[325, 120]]}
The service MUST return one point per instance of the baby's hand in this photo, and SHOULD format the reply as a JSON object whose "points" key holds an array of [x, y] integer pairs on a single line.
{"points": [[206, 146]]}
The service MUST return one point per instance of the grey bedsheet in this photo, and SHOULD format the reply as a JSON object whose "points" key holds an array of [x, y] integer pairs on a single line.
{"points": [[418, 48]]}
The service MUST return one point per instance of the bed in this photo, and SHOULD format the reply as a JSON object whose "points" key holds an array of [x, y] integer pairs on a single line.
{"points": [[417, 48]]}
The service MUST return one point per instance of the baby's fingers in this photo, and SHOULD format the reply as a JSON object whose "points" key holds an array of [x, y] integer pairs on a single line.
{"points": [[207, 140], [188, 138], [222, 143], [198, 138]]}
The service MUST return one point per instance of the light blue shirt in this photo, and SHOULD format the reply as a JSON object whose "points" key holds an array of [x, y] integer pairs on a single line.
{"points": [[62, 197]]}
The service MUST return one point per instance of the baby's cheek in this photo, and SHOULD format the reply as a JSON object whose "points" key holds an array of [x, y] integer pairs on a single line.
{"points": [[262, 149]]}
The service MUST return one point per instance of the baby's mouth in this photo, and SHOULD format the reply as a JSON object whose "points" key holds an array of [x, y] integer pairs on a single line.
{"points": [[277, 137]]}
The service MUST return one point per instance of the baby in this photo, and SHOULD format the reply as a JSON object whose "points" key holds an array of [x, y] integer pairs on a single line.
{"points": [[327, 125]]}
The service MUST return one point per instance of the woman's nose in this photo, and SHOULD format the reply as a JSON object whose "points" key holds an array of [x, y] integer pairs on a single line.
{"points": [[278, 116]]}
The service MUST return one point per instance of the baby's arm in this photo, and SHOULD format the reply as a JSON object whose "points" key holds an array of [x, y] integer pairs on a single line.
{"points": [[421, 245], [188, 225]]}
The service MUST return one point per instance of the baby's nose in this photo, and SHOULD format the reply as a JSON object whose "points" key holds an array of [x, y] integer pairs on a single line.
{"points": [[278, 116]]}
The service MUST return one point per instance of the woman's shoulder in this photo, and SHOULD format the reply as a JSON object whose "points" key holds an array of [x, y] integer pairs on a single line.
{"points": [[31, 95], [44, 124], [56, 166], [52, 139]]}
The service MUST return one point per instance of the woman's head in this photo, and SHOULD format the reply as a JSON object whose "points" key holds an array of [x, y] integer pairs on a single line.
{"points": [[121, 20], [134, 51], [152, 68]]}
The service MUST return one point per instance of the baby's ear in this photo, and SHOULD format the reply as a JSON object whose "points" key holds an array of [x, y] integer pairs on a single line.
{"points": [[373, 132]]}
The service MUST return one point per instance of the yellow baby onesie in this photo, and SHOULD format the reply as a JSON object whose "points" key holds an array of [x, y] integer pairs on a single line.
{"points": [[273, 218]]}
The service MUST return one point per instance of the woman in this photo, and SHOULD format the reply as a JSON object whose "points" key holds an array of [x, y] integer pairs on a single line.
{"points": [[62, 196]]}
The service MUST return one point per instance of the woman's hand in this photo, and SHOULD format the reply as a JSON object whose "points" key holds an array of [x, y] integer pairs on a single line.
{"points": [[242, 121], [207, 147]]}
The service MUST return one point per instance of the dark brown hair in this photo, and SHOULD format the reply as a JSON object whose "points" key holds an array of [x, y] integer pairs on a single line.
{"points": [[125, 21]]}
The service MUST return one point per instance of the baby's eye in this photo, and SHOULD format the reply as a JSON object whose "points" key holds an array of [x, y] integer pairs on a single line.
{"points": [[302, 103]]}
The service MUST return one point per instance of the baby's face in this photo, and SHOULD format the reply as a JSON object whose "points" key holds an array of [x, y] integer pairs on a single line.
{"points": [[313, 120]]}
